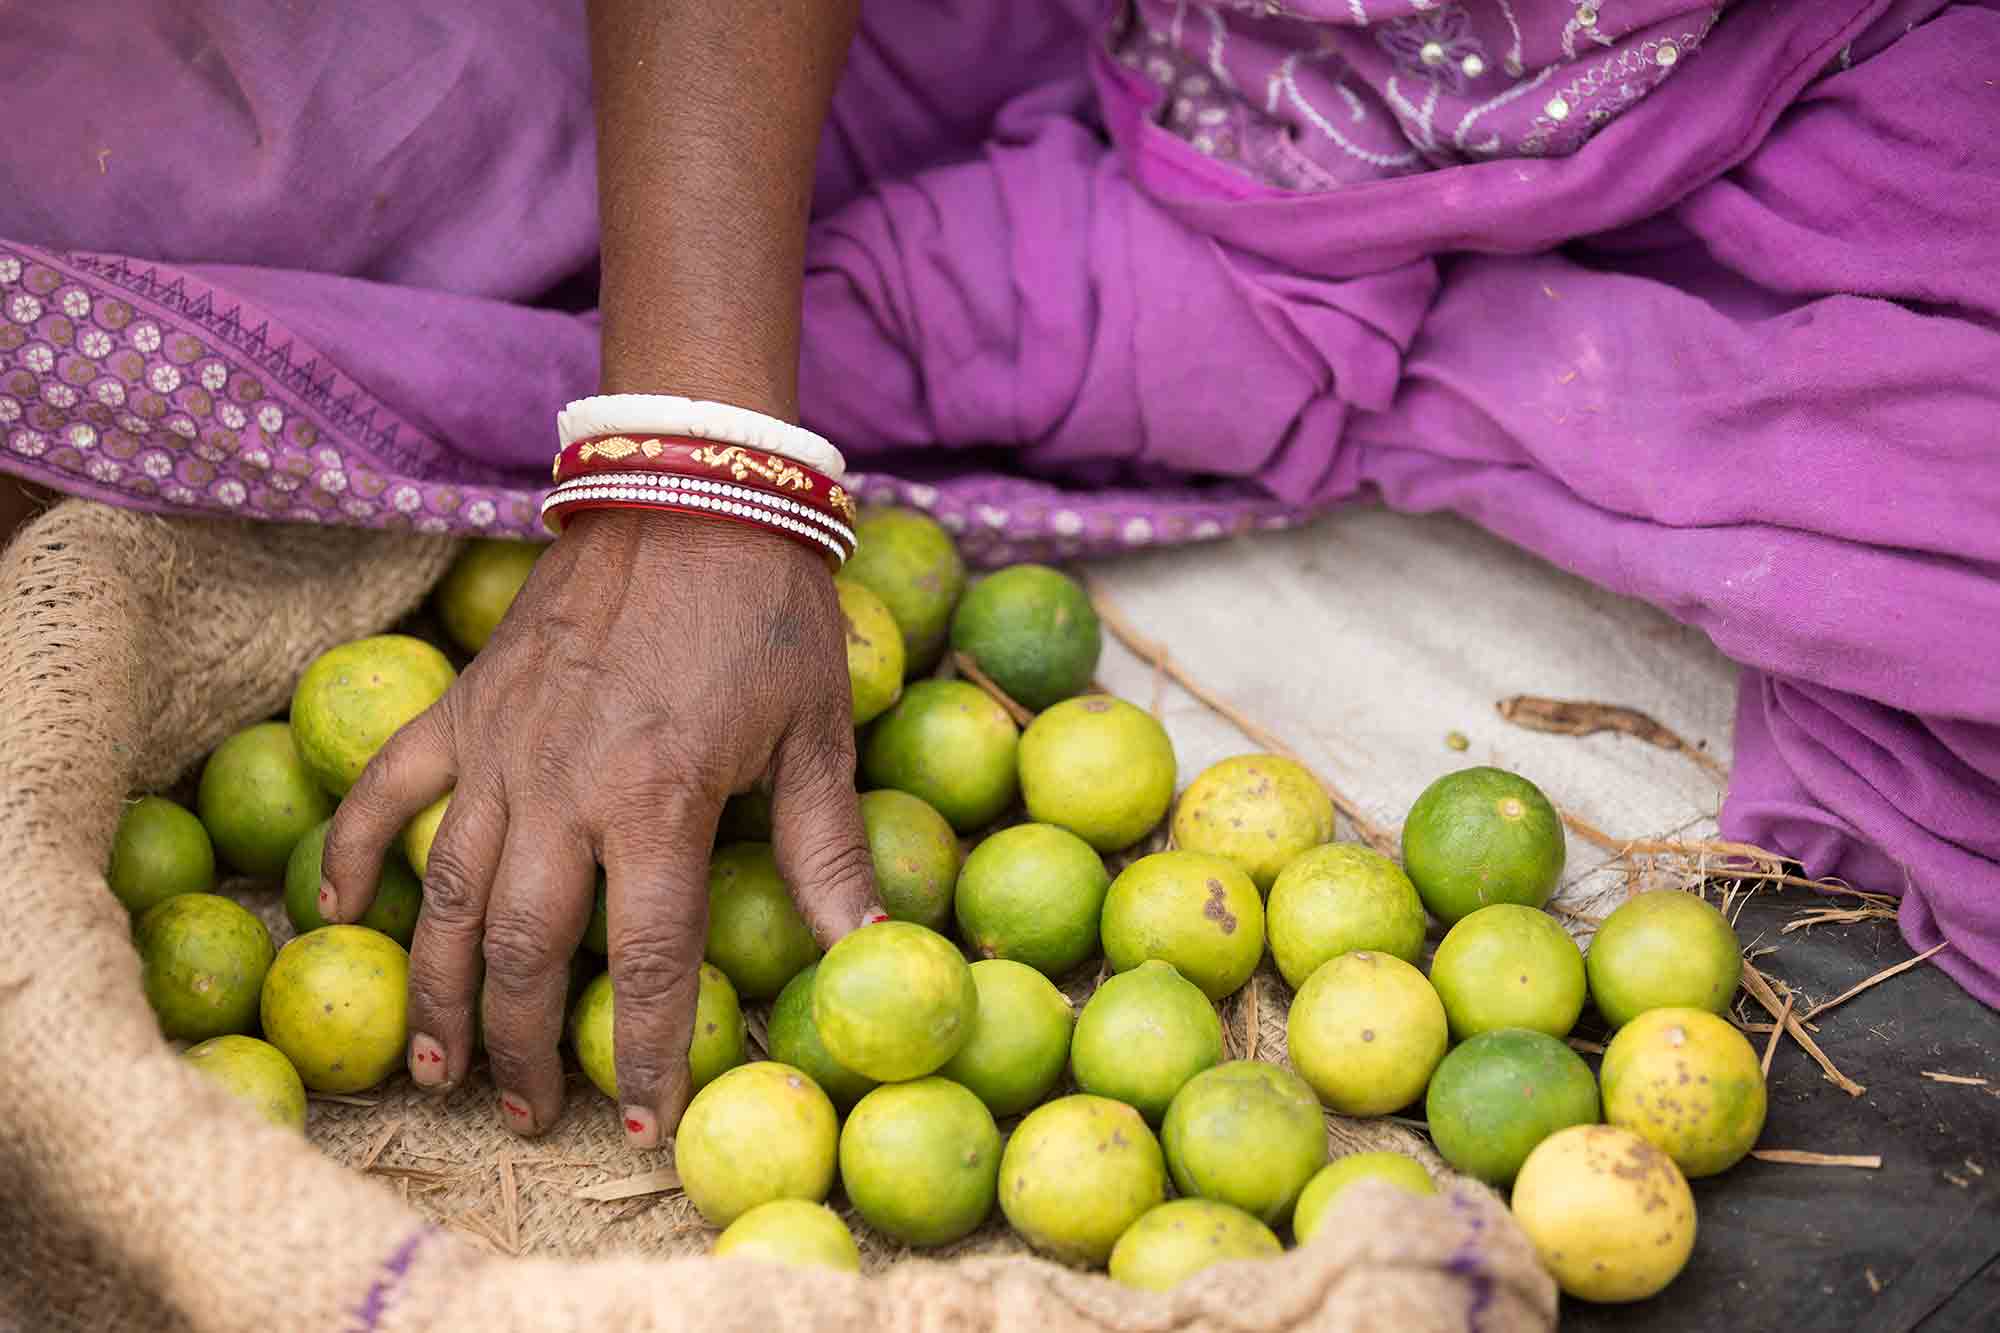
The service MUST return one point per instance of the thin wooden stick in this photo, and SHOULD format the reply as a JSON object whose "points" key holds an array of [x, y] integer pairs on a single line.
{"points": [[342, 1099], [1794, 1157], [1875, 980], [1966, 1080], [970, 670], [1760, 990], [1122, 629], [1777, 1031], [663, 1181], [510, 1204]]}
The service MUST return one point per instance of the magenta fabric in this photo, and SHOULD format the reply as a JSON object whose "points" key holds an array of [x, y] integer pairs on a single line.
{"points": [[1703, 308]]}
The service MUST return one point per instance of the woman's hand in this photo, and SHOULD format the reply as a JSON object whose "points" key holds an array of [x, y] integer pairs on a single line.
{"points": [[652, 666]]}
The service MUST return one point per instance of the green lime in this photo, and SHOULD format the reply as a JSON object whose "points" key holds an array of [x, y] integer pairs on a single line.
{"points": [[256, 1073], [1247, 1134], [398, 896], [336, 1002], [353, 698], [160, 850], [1365, 1031], [421, 832], [1020, 1038], [755, 933], [793, 1038], [1031, 629], [1032, 893], [1664, 949], [597, 931], [1501, 1093], [1508, 966], [951, 745], [1099, 767], [1690, 1084], [1198, 912], [920, 1161], [1076, 1173], [257, 799], [717, 1044], [1142, 1036], [794, 1232], [908, 560], [1337, 899], [1261, 811], [760, 1132], [894, 1001], [1610, 1215], [1178, 1239], [202, 962], [1316, 1200], [874, 651], [479, 587], [1480, 836], [916, 857]]}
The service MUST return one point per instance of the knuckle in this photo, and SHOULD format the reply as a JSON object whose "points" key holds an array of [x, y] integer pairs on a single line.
{"points": [[452, 890], [832, 863], [518, 946], [649, 967]]}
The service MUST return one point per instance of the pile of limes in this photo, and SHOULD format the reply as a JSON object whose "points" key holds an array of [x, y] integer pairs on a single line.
{"points": [[931, 1064]]}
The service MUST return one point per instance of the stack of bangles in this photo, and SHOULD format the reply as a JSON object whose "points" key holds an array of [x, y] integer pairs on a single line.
{"points": [[680, 455]]}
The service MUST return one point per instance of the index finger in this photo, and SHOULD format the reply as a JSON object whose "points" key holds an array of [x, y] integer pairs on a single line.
{"points": [[409, 773]]}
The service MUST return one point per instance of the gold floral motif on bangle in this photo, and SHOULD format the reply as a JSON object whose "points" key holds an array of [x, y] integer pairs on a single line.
{"points": [[840, 500], [771, 468]]}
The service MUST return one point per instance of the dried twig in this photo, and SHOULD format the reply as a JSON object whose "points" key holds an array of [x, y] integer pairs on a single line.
{"points": [[1760, 989], [1875, 980], [510, 1204], [1777, 1031], [663, 1181], [1964, 1080], [970, 670], [1122, 629], [1793, 1157], [342, 1099], [1569, 717], [1587, 1047], [381, 1144]]}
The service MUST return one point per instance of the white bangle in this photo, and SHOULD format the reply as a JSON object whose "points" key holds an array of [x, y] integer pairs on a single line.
{"points": [[663, 414], [651, 490]]}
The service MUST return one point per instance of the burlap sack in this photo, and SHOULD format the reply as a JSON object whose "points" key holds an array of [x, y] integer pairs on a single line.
{"points": [[134, 1195]]}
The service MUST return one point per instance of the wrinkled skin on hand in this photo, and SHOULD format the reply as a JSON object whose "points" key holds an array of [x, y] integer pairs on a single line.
{"points": [[653, 665]]}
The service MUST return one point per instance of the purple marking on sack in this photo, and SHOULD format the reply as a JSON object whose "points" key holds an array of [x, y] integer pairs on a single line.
{"points": [[383, 1289], [1468, 1262]]}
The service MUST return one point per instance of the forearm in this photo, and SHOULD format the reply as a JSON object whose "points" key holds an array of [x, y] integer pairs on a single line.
{"points": [[708, 117]]}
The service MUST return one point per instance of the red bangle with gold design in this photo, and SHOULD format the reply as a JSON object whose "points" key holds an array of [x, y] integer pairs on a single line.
{"points": [[681, 456]]}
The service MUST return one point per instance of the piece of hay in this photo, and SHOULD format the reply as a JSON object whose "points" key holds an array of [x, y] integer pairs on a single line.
{"points": [[381, 1144], [970, 670], [1964, 1080], [1794, 1157], [1875, 980], [1760, 990], [663, 1181], [1777, 1031], [510, 1204]]}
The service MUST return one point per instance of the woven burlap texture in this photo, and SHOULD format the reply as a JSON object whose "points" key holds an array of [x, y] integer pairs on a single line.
{"points": [[134, 1195]]}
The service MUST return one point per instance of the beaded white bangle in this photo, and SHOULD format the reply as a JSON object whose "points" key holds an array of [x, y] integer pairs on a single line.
{"points": [[757, 510], [663, 414], [669, 484]]}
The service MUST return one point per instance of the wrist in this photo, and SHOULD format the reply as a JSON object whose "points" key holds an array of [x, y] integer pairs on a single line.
{"points": [[661, 537]]}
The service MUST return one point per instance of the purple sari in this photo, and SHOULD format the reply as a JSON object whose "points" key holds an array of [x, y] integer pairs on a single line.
{"points": [[1703, 308]]}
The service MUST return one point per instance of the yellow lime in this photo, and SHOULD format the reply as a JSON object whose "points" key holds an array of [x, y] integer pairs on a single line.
{"points": [[894, 1001], [909, 561], [1032, 893], [257, 799], [1076, 1173], [1337, 899], [916, 857], [1198, 912], [336, 1003], [792, 1231], [353, 698], [1689, 1083], [920, 1161], [1033, 631], [1099, 767], [793, 1038], [160, 850], [1480, 836], [874, 651], [1178, 1239], [597, 931], [398, 896], [479, 587], [1496, 1096], [1365, 1031], [202, 962], [949, 744], [1509, 966], [760, 1132], [1610, 1215], [256, 1073], [717, 1045], [1664, 949], [1020, 1038], [1247, 1134], [421, 832], [755, 933], [1316, 1200], [1143, 1035], [1259, 810]]}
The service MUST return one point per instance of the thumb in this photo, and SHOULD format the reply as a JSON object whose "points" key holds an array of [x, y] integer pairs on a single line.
{"points": [[817, 834]]}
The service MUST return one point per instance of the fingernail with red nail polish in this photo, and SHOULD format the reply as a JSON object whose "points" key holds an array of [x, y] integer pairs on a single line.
{"points": [[519, 1116], [326, 901], [870, 918], [642, 1128], [426, 1061]]}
